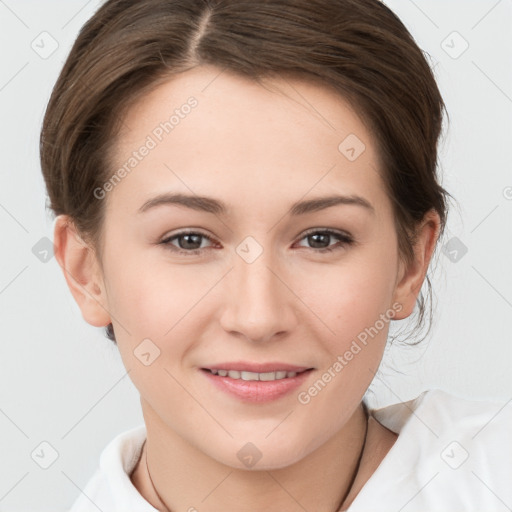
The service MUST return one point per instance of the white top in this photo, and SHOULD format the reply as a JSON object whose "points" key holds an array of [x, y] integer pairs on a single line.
{"points": [[451, 455]]}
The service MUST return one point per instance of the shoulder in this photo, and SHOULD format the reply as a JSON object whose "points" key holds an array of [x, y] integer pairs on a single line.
{"points": [[442, 411], [110, 487], [451, 454], [454, 429]]}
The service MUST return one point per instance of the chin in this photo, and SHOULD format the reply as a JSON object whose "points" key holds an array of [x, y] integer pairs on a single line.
{"points": [[261, 456]]}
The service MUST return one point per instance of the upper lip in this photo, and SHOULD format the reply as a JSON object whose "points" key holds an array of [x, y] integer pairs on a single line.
{"points": [[242, 366]]}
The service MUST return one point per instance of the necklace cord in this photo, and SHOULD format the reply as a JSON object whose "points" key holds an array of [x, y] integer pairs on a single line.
{"points": [[151, 480], [356, 471]]}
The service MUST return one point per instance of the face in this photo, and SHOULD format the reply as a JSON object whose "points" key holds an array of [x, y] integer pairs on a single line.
{"points": [[248, 277]]}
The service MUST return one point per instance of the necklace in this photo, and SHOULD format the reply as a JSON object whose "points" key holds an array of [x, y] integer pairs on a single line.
{"points": [[356, 471], [151, 480], [352, 480]]}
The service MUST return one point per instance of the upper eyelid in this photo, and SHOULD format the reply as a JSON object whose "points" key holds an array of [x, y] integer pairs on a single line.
{"points": [[197, 231], [192, 231], [330, 231]]}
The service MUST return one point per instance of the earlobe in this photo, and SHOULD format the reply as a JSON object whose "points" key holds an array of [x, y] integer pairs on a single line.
{"points": [[411, 277], [81, 271]]}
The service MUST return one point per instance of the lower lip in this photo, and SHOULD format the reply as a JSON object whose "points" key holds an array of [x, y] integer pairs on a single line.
{"points": [[257, 391]]}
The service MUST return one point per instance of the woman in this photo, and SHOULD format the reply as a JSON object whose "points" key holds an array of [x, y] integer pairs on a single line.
{"points": [[246, 197]]}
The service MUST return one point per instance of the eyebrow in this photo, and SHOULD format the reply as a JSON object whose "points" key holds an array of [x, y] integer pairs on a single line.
{"points": [[211, 205]]}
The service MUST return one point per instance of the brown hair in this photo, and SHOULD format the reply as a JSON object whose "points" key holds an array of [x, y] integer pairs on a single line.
{"points": [[357, 47]]}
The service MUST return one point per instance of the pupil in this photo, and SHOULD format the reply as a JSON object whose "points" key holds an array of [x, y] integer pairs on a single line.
{"points": [[315, 239], [196, 240]]}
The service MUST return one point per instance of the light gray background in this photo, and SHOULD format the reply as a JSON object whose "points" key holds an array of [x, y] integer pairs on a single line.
{"points": [[62, 382]]}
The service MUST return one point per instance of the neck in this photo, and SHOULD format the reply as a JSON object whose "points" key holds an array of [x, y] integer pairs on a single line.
{"points": [[323, 480]]}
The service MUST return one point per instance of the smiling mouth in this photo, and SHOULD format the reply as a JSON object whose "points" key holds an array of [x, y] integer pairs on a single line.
{"points": [[248, 376]]}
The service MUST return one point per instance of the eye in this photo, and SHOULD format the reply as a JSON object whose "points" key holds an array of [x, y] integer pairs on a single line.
{"points": [[319, 239], [188, 242]]}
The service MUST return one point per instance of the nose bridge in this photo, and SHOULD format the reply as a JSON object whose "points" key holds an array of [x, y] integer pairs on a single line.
{"points": [[259, 304]]}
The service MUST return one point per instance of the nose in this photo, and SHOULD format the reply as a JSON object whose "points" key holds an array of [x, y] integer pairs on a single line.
{"points": [[259, 303]]}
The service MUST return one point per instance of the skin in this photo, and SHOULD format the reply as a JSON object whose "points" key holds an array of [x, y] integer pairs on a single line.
{"points": [[259, 149]]}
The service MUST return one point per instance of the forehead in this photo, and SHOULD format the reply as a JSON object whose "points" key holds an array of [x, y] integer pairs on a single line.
{"points": [[210, 131]]}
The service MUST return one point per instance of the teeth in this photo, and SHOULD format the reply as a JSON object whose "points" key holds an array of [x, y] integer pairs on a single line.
{"points": [[233, 374], [249, 376]]}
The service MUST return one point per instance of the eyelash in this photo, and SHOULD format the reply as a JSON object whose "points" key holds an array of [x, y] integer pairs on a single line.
{"points": [[345, 240]]}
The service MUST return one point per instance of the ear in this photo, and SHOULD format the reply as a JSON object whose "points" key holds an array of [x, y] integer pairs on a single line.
{"points": [[410, 278], [81, 271]]}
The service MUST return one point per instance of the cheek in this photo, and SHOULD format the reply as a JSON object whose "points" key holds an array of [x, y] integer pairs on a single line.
{"points": [[152, 300], [355, 304], [351, 297], [156, 298], [160, 303]]}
